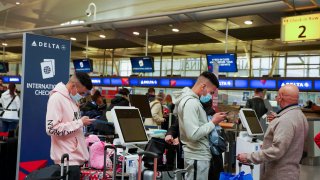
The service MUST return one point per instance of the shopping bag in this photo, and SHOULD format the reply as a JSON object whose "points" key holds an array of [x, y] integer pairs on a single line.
{"points": [[240, 176]]}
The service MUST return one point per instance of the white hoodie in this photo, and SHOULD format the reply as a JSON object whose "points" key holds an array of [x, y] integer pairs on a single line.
{"points": [[193, 125]]}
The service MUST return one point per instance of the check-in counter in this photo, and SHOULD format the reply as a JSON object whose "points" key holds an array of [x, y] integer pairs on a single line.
{"points": [[311, 149]]}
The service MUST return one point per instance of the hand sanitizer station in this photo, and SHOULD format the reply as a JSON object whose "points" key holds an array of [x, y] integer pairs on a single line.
{"points": [[247, 141]]}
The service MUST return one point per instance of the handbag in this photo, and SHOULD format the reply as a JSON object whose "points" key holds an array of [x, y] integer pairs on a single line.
{"points": [[7, 106]]}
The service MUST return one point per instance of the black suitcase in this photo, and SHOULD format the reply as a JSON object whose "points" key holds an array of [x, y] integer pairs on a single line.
{"points": [[53, 172]]}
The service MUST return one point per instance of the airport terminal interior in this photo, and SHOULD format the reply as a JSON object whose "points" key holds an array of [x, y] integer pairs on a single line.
{"points": [[179, 38]]}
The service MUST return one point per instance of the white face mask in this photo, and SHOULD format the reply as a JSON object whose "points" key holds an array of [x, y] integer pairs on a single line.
{"points": [[76, 98]]}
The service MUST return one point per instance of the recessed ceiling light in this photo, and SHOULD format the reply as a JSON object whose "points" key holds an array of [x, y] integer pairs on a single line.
{"points": [[136, 33], [18, 3], [102, 36], [248, 22], [73, 38], [175, 30], [4, 44]]}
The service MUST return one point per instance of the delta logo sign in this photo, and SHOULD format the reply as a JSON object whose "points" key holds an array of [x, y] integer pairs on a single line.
{"points": [[301, 84]]}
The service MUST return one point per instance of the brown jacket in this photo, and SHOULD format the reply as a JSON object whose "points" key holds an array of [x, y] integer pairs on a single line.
{"points": [[282, 146]]}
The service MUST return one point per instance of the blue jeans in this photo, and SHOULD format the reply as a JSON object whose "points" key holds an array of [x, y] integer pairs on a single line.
{"points": [[9, 125]]}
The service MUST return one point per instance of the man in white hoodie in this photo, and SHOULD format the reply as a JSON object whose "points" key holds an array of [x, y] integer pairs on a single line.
{"points": [[64, 125], [194, 126]]}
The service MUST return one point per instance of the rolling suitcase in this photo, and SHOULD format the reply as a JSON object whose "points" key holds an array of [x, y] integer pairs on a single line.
{"points": [[53, 172], [152, 175], [114, 166]]}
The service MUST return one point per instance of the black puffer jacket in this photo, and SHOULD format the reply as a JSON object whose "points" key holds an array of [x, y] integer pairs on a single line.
{"points": [[118, 101], [257, 104]]}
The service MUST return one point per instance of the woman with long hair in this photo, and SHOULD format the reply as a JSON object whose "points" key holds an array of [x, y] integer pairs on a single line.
{"points": [[11, 104]]}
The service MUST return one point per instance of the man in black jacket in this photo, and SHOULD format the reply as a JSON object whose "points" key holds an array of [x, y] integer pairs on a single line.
{"points": [[120, 99]]}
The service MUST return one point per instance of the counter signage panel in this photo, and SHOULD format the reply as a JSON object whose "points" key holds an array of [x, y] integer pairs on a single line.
{"points": [[116, 82], [13, 79], [240, 83], [225, 83], [301, 84], [106, 81], [134, 81], [263, 83], [148, 82], [164, 82], [96, 81], [317, 85], [183, 82]]}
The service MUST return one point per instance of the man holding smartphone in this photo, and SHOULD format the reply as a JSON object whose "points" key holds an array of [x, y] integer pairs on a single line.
{"points": [[194, 127], [64, 125]]}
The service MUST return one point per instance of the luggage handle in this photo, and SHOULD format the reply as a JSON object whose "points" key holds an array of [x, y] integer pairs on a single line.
{"points": [[247, 164], [155, 163], [114, 160], [63, 157]]}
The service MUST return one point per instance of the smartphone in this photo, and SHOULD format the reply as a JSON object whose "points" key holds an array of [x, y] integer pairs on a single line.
{"points": [[228, 112]]}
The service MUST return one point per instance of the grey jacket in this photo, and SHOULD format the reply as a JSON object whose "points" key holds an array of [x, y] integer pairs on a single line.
{"points": [[282, 146], [193, 125]]}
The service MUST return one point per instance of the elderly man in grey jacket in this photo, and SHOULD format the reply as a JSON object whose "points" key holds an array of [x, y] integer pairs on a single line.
{"points": [[284, 140], [194, 127]]}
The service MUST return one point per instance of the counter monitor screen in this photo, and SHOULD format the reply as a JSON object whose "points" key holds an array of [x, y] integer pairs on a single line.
{"points": [[142, 64], [129, 126], [142, 103], [83, 65], [251, 122]]}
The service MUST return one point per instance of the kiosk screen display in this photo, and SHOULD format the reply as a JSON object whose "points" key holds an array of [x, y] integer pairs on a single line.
{"points": [[131, 126], [251, 122], [142, 103]]}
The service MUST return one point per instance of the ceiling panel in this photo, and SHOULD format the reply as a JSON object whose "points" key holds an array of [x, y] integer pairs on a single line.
{"points": [[14, 49], [112, 44], [76, 48], [182, 38], [255, 33], [298, 48], [158, 54]]}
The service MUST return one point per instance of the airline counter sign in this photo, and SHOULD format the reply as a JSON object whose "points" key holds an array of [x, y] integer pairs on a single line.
{"points": [[301, 84], [300, 28]]}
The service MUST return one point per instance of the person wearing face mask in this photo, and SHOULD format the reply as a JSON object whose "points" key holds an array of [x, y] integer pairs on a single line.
{"points": [[194, 127], [283, 141], [64, 125]]}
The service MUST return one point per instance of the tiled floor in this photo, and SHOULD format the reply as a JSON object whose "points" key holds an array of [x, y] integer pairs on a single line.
{"points": [[309, 172]]}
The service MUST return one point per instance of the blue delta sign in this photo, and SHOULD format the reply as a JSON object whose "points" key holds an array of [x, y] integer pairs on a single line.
{"points": [[301, 84]]}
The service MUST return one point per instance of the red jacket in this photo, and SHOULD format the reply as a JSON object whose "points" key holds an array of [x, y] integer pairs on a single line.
{"points": [[317, 139]]}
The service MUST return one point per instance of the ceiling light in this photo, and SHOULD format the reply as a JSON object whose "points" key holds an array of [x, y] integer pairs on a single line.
{"points": [[73, 38], [102, 36], [175, 30], [248, 22], [136, 33], [4, 44], [18, 3]]}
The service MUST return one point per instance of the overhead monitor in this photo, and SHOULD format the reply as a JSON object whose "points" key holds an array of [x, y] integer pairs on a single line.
{"points": [[4, 67], [129, 126], [227, 62], [251, 122], [142, 64], [142, 103], [83, 65]]}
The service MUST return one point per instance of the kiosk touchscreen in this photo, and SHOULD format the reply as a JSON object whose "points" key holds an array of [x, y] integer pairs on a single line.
{"points": [[142, 103], [129, 126], [251, 122]]}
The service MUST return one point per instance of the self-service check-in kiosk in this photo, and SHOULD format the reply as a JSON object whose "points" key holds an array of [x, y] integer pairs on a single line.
{"points": [[247, 141]]}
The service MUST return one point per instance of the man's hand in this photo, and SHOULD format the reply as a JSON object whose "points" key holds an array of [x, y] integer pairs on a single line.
{"points": [[86, 121], [169, 139], [242, 158], [271, 116], [218, 117]]}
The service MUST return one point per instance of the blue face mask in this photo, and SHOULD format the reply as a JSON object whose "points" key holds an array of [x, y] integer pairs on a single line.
{"points": [[76, 98], [205, 98]]}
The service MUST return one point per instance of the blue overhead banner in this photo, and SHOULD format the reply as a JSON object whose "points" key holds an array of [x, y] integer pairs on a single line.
{"points": [[262, 83], [45, 63], [301, 84]]}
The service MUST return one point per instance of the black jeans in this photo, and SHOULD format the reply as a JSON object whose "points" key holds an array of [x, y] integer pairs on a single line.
{"points": [[216, 167]]}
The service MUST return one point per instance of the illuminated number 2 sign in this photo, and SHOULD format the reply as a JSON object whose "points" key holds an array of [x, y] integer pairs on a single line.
{"points": [[300, 28]]}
